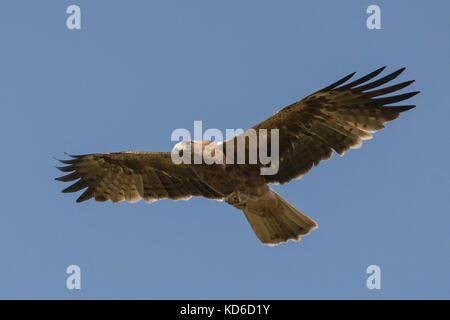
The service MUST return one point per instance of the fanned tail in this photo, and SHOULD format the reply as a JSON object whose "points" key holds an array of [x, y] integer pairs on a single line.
{"points": [[281, 224]]}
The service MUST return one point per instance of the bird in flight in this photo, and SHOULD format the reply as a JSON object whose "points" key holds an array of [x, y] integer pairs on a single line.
{"points": [[336, 117]]}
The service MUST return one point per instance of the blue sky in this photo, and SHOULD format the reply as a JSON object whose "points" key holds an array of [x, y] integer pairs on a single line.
{"points": [[137, 70]]}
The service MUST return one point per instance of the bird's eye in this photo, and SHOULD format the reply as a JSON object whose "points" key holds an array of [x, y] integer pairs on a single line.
{"points": [[235, 198]]}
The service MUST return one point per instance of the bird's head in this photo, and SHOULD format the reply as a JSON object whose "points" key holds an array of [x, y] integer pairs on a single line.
{"points": [[189, 145], [182, 145]]}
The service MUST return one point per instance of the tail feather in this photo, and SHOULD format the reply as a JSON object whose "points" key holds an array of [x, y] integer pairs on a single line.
{"points": [[280, 225]]}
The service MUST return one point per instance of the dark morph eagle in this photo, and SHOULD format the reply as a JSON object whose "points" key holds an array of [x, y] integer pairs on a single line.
{"points": [[336, 118]]}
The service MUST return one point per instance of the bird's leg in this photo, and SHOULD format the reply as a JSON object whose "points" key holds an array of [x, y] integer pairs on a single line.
{"points": [[242, 201], [262, 205], [234, 199]]}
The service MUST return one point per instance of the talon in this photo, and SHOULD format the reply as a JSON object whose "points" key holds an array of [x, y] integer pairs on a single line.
{"points": [[237, 196], [234, 199]]}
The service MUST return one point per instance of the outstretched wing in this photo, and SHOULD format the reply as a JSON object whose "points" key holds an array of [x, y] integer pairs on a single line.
{"points": [[132, 176], [336, 118]]}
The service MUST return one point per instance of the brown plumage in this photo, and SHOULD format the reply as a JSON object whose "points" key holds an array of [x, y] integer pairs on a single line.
{"points": [[338, 117]]}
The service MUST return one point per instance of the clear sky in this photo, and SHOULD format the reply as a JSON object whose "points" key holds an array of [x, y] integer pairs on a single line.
{"points": [[137, 70]]}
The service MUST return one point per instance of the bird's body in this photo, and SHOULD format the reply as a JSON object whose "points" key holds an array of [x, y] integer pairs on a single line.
{"points": [[336, 118]]}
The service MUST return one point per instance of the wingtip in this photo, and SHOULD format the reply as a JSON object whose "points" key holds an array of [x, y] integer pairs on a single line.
{"points": [[66, 168], [401, 109], [400, 70], [408, 108], [71, 161], [413, 93], [76, 156]]}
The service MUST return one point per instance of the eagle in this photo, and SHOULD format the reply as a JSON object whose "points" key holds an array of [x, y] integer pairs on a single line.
{"points": [[337, 117]]}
